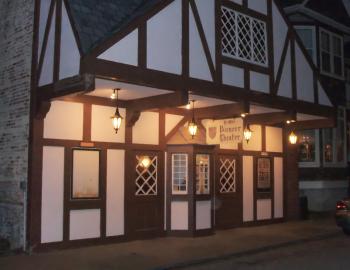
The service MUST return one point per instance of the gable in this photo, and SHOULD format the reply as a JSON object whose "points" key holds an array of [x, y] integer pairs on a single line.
{"points": [[94, 25], [181, 40]]}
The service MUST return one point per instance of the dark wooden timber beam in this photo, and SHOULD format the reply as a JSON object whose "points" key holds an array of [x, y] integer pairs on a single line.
{"points": [[167, 81], [175, 99], [94, 100], [69, 86], [221, 111], [313, 124], [270, 118], [132, 117]]}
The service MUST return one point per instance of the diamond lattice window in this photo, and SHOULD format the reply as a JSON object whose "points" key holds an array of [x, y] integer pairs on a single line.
{"points": [[243, 37], [227, 175], [146, 176]]}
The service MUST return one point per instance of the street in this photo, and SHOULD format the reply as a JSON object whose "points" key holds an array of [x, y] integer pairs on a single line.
{"points": [[332, 253]]}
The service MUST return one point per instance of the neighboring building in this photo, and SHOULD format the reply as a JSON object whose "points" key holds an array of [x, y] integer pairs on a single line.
{"points": [[241, 62], [324, 28]]}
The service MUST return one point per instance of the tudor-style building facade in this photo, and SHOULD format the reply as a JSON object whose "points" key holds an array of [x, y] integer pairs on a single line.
{"points": [[324, 29], [242, 63]]}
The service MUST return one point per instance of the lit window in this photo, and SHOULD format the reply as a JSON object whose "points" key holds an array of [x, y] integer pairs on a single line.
{"points": [[307, 36], [202, 174], [331, 53], [179, 173], [264, 175], [309, 148], [243, 37], [146, 175]]}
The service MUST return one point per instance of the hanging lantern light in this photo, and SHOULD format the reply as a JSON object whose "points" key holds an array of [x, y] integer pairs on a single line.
{"points": [[188, 106], [116, 118], [247, 133], [192, 126], [293, 138]]}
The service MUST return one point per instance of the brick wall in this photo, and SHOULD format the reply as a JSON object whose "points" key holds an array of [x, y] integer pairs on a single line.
{"points": [[16, 34]]}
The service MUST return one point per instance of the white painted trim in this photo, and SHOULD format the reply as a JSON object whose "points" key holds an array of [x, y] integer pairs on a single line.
{"points": [[331, 35], [323, 184], [177, 192], [317, 16], [266, 64]]}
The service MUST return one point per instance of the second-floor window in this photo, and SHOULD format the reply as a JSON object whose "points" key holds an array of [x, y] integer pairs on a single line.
{"points": [[243, 37], [308, 36], [331, 53]]}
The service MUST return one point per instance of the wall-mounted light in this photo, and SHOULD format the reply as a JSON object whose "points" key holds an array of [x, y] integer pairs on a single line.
{"points": [[243, 115], [145, 162], [247, 133], [293, 138], [188, 106], [116, 118], [192, 125], [290, 121]]}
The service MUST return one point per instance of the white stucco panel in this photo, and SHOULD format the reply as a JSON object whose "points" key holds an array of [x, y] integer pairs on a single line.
{"points": [[278, 187], [305, 77], [69, 55], [206, 10], [146, 129], [115, 192], [258, 5], [164, 39], [124, 51], [233, 76], [199, 68], [263, 208], [259, 82], [84, 224], [171, 120], [280, 30], [46, 76], [274, 139], [101, 125], [203, 215], [64, 121], [44, 12], [179, 216], [323, 98], [248, 189], [285, 87], [52, 194]]}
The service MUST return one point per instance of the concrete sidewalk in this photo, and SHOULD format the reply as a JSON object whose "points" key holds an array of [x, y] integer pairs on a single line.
{"points": [[172, 253]]}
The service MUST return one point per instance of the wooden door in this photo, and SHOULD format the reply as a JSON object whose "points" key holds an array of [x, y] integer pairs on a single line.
{"points": [[144, 190], [228, 189]]}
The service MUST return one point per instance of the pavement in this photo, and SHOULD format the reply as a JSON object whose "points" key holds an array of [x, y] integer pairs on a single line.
{"points": [[177, 252]]}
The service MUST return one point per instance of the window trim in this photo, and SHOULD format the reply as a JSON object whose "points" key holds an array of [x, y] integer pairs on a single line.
{"points": [[250, 61], [316, 163], [313, 30], [178, 192], [336, 164], [331, 35]]}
